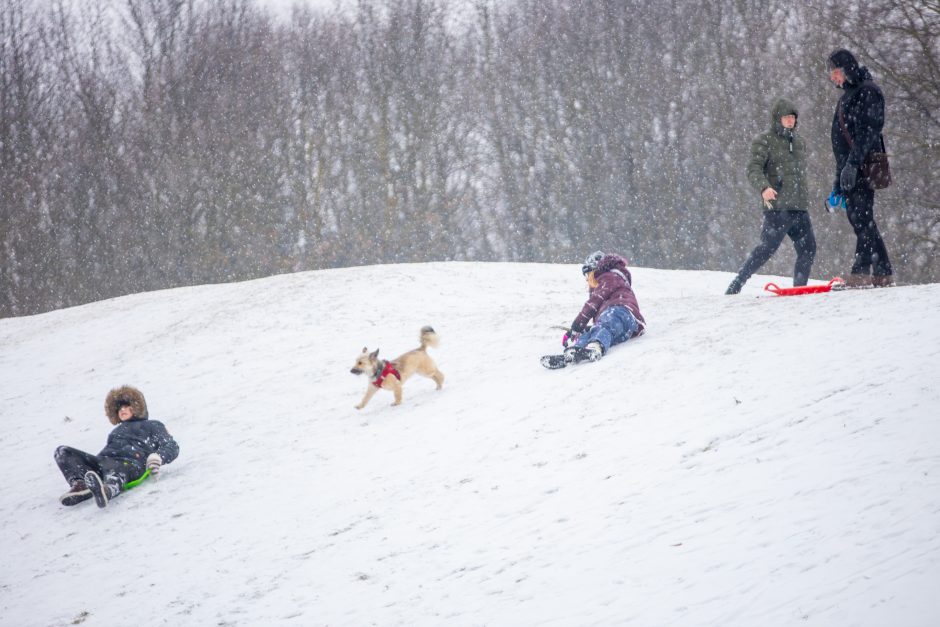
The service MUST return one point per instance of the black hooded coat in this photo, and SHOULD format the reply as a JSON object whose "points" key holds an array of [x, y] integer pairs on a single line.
{"points": [[124, 457], [862, 108]]}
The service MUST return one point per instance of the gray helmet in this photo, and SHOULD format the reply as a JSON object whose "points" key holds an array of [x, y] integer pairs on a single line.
{"points": [[590, 264]]}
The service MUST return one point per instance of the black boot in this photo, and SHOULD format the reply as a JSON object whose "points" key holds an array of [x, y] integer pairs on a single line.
{"points": [[735, 287], [78, 493], [103, 492], [592, 352]]}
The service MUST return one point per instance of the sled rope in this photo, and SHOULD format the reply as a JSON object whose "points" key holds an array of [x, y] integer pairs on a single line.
{"points": [[136, 482]]}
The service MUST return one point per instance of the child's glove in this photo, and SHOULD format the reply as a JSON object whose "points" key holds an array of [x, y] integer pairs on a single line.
{"points": [[835, 201], [154, 462]]}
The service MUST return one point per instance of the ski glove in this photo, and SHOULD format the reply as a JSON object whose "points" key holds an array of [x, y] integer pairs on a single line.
{"points": [[847, 177], [154, 462], [835, 201], [570, 337]]}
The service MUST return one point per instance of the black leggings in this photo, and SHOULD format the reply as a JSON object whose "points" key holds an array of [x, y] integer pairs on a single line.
{"points": [[777, 225], [871, 256], [75, 463]]}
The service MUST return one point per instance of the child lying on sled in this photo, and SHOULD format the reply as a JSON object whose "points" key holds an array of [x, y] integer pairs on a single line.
{"points": [[136, 446]]}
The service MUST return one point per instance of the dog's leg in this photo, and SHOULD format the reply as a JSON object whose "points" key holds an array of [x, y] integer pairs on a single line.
{"points": [[438, 377], [370, 392], [396, 387]]}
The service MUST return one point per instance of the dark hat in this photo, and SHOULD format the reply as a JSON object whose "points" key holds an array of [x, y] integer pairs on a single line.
{"points": [[590, 264], [844, 60]]}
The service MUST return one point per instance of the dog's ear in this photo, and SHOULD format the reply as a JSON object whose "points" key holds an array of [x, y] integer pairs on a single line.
{"points": [[374, 355], [365, 350]]}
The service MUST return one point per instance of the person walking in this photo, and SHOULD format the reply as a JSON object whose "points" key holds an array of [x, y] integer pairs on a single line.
{"points": [[777, 171], [856, 130]]}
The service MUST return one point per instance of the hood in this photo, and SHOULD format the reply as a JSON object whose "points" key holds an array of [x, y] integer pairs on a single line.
{"points": [[127, 394], [854, 73], [781, 108], [612, 262], [862, 75]]}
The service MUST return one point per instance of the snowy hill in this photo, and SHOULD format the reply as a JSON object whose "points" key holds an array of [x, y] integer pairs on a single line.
{"points": [[750, 461]]}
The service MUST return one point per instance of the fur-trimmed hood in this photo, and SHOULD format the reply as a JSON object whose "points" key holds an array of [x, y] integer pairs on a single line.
{"points": [[127, 394]]}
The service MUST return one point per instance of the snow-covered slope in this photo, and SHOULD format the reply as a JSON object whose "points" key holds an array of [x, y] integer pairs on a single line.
{"points": [[749, 461]]}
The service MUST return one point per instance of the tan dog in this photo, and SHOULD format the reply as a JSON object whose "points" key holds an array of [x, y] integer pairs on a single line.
{"points": [[391, 375]]}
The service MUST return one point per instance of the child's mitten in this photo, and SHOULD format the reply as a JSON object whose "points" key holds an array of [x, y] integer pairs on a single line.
{"points": [[154, 462]]}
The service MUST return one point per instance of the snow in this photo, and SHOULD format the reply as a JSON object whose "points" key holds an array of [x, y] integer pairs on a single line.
{"points": [[749, 461]]}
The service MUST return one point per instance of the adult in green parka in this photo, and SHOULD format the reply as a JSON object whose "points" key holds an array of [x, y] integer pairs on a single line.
{"points": [[777, 171]]}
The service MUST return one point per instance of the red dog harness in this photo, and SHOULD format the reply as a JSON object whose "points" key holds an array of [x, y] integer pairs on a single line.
{"points": [[387, 370]]}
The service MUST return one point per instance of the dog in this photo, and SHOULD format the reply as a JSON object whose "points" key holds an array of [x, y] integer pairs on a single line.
{"points": [[391, 375]]}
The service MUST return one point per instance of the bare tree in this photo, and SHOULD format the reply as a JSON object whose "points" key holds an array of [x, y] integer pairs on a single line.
{"points": [[154, 143], [29, 271]]}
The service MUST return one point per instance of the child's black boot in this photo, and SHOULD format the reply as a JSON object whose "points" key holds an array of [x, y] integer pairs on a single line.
{"points": [[576, 354], [78, 493], [103, 492], [593, 351]]}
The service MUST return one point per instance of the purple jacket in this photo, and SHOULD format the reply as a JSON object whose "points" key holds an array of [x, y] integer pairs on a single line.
{"points": [[613, 288]]}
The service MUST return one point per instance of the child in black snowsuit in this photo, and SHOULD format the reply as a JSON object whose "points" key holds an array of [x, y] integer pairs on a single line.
{"points": [[134, 446]]}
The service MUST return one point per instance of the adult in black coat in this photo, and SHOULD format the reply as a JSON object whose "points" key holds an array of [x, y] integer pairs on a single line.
{"points": [[136, 445], [856, 130]]}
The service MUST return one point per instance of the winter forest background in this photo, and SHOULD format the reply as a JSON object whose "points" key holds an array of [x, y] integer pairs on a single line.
{"points": [[147, 144]]}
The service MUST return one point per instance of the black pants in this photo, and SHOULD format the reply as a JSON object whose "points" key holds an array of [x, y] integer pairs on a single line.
{"points": [[871, 256], [75, 463], [777, 225]]}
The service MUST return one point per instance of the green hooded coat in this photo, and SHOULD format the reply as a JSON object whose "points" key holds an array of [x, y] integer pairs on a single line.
{"points": [[778, 160]]}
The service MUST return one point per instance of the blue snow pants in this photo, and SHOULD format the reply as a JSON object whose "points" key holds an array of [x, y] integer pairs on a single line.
{"points": [[615, 325]]}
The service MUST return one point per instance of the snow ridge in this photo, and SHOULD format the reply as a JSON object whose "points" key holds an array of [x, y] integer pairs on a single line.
{"points": [[749, 461]]}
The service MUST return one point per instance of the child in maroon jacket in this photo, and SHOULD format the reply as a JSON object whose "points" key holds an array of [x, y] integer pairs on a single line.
{"points": [[612, 304]]}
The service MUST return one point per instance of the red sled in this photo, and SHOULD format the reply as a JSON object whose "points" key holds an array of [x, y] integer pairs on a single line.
{"points": [[773, 288]]}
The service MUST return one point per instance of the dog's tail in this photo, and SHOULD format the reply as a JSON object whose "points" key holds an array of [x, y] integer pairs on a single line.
{"points": [[428, 337]]}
